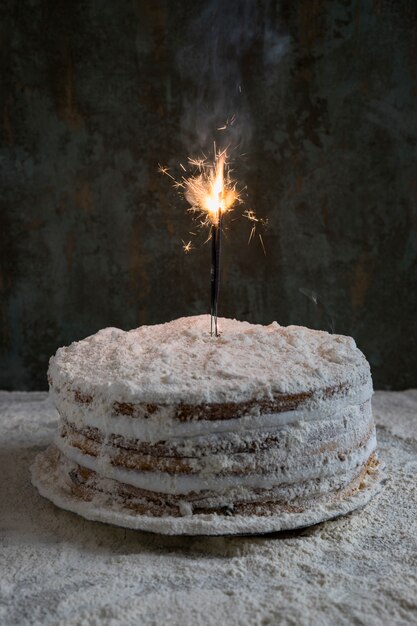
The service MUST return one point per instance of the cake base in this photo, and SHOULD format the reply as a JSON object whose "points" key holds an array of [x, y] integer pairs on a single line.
{"points": [[47, 479]]}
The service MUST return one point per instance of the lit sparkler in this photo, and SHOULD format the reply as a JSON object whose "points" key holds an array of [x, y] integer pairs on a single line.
{"points": [[211, 193]]}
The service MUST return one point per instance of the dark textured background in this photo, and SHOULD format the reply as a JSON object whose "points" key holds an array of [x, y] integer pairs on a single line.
{"points": [[95, 94]]}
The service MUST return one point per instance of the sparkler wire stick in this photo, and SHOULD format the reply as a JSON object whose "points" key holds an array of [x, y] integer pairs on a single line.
{"points": [[213, 274], [216, 240]]}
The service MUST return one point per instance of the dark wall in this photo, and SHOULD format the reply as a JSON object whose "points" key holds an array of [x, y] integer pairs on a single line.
{"points": [[96, 94]]}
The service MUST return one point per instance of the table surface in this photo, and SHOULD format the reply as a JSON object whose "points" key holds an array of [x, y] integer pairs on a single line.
{"points": [[57, 568]]}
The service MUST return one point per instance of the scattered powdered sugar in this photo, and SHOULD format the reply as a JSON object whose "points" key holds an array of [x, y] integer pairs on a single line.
{"points": [[57, 568], [246, 362], [396, 410]]}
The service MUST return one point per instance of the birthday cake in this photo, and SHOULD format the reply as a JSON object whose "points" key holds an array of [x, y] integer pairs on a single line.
{"points": [[167, 428]]}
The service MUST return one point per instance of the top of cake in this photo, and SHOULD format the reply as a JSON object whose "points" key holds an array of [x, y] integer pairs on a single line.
{"points": [[179, 362]]}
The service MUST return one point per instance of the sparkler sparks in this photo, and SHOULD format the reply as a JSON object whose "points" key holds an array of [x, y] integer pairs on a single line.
{"points": [[229, 122], [210, 192], [252, 217], [163, 169], [187, 247]]}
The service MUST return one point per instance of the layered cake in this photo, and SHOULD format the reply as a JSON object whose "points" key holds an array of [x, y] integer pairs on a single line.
{"points": [[167, 428]]}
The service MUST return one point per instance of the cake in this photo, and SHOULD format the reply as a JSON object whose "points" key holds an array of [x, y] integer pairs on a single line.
{"points": [[170, 429]]}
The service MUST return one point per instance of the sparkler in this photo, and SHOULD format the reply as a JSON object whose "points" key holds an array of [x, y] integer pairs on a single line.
{"points": [[211, 193]]}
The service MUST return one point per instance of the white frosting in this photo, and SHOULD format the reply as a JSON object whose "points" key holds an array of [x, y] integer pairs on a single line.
{"points": [[243, 452], [163, 426], [163, 482], [309, 456], [179, 362]]}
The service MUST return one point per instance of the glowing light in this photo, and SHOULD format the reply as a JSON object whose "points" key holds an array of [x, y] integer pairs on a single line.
{"points": [[211, 191]]}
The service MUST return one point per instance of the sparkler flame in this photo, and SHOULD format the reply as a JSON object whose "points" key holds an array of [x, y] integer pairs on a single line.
{"points": [[211, 192]]}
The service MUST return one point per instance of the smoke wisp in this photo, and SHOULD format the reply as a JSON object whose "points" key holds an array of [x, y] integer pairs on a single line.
{"points": [[225, 42]]}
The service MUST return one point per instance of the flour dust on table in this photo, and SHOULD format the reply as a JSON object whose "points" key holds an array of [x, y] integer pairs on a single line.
{"points": [[59, 569]]}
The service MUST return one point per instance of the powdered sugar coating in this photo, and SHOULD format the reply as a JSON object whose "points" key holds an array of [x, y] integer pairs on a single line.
{"points": [[179, 362], [133, 386], [52, 483]]}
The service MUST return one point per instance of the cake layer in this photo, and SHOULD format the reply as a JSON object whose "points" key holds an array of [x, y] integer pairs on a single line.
{"points": [[236, 453], [239, 464], [83, 405], [267, 474], [180, 365], [344, 429], [89, 485], [162, 424]]}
